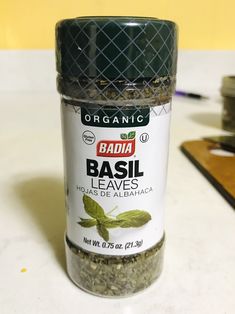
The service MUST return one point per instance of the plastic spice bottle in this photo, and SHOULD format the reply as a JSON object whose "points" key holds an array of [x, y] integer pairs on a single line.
{"points": [[228, 93], [116, 77]]}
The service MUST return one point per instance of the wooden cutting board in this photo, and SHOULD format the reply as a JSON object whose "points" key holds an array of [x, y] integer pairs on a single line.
{"points": [[219, 170]]}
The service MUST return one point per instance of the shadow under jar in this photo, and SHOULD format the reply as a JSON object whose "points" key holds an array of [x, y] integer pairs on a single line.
{"points": [[116, 77]]}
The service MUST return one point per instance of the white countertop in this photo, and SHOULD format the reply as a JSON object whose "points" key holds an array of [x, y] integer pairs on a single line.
{"points": [[199, 274]]}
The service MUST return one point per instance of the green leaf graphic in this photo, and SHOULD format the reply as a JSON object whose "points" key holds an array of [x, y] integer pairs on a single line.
{"points": [[131, 135], [129, 219], [112, 223], [103, 232], [87, 223], [92, 208], [134, 218], [124, 136]]}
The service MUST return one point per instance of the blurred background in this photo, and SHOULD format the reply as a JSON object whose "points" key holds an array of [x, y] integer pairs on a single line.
{"points": [[29, 24]]}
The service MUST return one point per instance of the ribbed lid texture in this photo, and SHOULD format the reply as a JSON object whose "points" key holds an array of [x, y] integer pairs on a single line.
{"points": [[115, 48]]}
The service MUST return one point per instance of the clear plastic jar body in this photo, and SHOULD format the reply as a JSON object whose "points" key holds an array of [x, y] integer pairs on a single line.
{"points": [[228, 115], [110, 276], [104, 274], [228, 93]]}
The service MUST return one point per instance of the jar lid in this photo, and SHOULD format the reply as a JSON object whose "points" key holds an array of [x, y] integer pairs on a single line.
{"points": [[117, 48]]}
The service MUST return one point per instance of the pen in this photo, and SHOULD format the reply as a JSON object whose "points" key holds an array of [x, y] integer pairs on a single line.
{"points": [[190, 95]]}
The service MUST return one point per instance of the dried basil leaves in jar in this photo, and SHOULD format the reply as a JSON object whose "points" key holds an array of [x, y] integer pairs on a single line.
{"points": [[116, 77]]}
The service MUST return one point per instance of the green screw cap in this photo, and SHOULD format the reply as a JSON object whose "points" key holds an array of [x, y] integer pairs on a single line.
{"points": [[116, 48]]}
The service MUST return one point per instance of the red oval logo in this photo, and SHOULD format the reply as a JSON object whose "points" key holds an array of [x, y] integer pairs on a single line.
{"points": [[120, 148]]}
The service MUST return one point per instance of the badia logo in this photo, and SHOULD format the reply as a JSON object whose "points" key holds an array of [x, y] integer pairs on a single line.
{"points": [[117, 148]]}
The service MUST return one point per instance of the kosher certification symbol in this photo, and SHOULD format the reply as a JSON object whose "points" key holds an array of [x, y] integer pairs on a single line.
{"points": [[88, 137], [144, 137]]}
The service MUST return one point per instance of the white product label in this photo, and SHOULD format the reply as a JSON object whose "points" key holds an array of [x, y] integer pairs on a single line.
{"points": [[115, 175]]}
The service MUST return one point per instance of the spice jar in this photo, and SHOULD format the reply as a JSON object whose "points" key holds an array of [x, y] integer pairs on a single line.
{"points": [[228, 93], [116, 77]]}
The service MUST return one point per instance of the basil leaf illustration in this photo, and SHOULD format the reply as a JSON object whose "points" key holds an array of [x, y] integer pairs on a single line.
{"points": [[87, 223], [123, 136], [103, 232], [92, 208], [131, 135], [134, 218], [112, 223]]}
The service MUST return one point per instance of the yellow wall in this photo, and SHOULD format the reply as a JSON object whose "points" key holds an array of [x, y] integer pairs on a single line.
{"points": [[203, 24]]}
